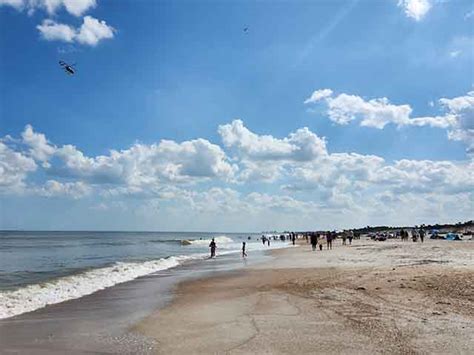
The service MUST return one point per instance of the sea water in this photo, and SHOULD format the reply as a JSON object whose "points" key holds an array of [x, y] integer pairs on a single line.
{"points": [[42, 268]]}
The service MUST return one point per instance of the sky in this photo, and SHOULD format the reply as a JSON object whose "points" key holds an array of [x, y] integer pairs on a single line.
{"points": [[236, 115]]}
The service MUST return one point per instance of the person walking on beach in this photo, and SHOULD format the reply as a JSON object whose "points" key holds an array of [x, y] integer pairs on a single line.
{"points": [[244, 254], [293, 238], [344, 238], [314, 241], [422, 234], [213, 247], [329, 240], [350, 237]]}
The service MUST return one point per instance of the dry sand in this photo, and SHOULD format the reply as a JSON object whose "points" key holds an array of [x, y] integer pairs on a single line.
{"points": [[371, 297]]}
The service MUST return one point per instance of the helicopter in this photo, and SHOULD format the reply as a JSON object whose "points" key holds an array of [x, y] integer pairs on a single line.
{"points": [[68, 68]]}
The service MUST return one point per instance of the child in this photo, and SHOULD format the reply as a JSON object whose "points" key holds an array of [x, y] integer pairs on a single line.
{"points": [[244, 254]]}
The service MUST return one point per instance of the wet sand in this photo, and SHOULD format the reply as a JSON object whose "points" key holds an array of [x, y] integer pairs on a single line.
{"points": [[371, 297], [100, 323]]}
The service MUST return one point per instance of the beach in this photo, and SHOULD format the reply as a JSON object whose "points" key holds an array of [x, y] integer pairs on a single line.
{"points": [[371, 297]]}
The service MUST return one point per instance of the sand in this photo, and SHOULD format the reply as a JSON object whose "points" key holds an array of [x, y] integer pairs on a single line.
{"points": [[371, 297]]}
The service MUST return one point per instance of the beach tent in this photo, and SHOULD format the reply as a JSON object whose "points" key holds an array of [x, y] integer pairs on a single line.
{"points": [[452, 236]]}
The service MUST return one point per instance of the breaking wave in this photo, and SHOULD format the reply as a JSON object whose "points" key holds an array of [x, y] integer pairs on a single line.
{"points": [[31, 297]]}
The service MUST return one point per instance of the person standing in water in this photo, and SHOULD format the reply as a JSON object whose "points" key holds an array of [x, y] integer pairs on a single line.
{"points": [[293, 238], [244, 254], [213, 247]]}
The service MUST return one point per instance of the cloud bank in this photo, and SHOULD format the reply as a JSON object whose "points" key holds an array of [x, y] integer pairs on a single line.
{"points": [[296, 177]]}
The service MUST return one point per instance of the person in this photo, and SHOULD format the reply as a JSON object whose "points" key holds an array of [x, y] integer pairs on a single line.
{"points": [[422, 234], [314, 241], [268, 241], [329, 240], [264, 239], [351, 236], [293, 238], [344, 238], [213, 247], [244, 254], [414, 235]]}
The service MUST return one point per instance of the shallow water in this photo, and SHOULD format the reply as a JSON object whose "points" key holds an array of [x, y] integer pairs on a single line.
{"points": [[41, 268]]}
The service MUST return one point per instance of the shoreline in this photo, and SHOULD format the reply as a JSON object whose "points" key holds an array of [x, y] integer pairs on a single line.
{"points": [[99, 322], [371, 297]]}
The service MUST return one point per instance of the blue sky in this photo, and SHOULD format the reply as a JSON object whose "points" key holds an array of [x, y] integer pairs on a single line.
{"points": [[150, 71]]}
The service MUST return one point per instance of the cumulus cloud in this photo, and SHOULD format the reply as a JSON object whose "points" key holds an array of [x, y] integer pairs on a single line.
{"points": [[53, 31], [17, 4], [198, 177], [377, 113], [302, 145], [14, 168], [137, 167], [40, 149], [91, 32], [74, 7], [415, 9], [345, 108], [318, 95], [141, 164], [53, 188], [462, 128]]}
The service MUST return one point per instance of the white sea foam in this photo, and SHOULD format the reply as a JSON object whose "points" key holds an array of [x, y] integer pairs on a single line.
{"points": [[32, 297], [205, 242], [29, 298]]}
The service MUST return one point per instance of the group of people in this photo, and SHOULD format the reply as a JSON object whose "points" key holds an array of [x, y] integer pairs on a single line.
{"points": [[315, 238], [415, 235]]}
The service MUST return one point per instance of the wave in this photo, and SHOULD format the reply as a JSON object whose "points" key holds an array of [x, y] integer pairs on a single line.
{"points": [[35, 296], [205, 242], [32, 297]]}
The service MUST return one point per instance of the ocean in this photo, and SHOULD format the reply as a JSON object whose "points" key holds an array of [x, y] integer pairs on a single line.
{"points": [[42, 268]]}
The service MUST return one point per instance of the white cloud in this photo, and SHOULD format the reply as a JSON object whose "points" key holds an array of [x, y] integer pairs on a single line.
{"points": [[303, 181], [53, 188], [91, 32], [78, 7], [462, 108], [302, 145], [415, 9], [14, 167], [74, 7], [140, 165], [17, 4], [40, 148], [377, 113], [53, 31], [318, 95]]}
